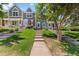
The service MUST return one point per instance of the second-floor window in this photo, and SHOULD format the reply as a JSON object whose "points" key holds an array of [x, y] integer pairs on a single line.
{"points": [[15, 13], [29, 15]]}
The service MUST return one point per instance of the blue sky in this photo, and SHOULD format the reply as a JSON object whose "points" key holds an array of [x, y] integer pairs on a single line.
{"points": [[22, 6]]}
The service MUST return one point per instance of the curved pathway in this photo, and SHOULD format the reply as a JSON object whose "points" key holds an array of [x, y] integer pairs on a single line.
{"points": [[39, 47]]}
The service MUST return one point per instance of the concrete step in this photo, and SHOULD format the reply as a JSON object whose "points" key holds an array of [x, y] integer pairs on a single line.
{"points": [[39, 39]]}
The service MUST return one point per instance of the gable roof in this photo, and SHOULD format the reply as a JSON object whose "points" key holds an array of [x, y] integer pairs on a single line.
{"points": [[29, 10], [14, 6]]}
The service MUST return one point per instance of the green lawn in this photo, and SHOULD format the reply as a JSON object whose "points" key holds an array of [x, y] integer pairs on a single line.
{"points": [[23, 42]]}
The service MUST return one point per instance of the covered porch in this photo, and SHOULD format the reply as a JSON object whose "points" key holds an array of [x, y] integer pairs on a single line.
{"points": [[11, 22]]}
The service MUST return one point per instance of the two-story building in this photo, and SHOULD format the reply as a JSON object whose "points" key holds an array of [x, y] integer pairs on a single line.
{"points": [[18, 18]]}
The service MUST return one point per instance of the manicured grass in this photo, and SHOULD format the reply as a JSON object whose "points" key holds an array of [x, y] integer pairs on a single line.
{"points": [[23, 42]]}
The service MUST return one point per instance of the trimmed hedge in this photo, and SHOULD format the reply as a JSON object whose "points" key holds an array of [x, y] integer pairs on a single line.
{"points": [[64, 28], [2, 30], [72, 34], [8, 30], [48, 33], [75, 28]]}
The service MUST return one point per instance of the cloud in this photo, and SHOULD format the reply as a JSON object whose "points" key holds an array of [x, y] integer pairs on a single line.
{"points": [[31, 4], [6, 7], [10, 4]]}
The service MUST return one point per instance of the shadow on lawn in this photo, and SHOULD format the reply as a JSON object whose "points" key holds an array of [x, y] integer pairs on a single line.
{"points": [[9, 41], [70, 49]]}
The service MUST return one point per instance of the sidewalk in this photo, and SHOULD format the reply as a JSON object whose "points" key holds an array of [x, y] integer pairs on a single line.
{"points": [[39, 47]]}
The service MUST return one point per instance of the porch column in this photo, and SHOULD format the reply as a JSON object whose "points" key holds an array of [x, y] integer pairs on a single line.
{"points": [[0, 22]]}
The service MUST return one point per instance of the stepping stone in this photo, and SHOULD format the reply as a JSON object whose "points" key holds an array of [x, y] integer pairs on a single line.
{"points": [[40, 39], [38, 36]]}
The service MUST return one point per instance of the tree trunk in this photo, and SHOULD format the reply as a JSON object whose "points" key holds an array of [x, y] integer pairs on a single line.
{"points": [[59, 34], [58, 31]]}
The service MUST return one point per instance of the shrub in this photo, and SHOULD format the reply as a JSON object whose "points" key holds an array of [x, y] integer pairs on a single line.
{"points": [[65, 28], [11, 31], [75, 28], [48, 33], [16, 29], [72, 34], [2, 30]]}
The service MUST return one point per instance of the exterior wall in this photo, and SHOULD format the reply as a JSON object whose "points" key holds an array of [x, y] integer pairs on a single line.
{"points": [[30, 20], [15, 19], [45, 24], [15, 8]]}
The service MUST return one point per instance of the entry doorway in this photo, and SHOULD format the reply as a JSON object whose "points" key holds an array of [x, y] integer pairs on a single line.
{"points": [[38, 25]]}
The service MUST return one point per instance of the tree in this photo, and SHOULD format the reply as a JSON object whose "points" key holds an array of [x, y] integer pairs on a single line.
{"points": [[2, 14], [59, 13], [40, 16], [75, 17]]}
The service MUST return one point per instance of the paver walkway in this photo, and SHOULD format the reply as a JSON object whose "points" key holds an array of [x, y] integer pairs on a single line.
{"points": [[39, 47]]}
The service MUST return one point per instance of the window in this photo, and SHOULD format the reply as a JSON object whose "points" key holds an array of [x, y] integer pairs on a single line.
{"points": [[38, 24], [15, 14], [49, 24], [28, 15], [13, 22]]}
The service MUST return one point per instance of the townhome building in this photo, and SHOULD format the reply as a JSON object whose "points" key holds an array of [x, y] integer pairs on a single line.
{"points": [[18, 18]]}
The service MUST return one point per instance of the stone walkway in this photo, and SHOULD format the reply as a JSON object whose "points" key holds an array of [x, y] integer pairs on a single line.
{"points": [[39, 47]]}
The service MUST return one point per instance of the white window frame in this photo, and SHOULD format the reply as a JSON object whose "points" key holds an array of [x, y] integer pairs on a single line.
{"points": [[15, 11], [29, 13]]}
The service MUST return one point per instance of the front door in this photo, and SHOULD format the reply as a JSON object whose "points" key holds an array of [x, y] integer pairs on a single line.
{"points": [[38, 25]]}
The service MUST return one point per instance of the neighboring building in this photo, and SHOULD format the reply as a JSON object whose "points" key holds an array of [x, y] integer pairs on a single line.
{"points": [[29, 18], [45, 24], [17, 18]]}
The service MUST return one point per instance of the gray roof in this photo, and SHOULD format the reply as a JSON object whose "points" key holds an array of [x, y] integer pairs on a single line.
{"points": [[29, 10]]}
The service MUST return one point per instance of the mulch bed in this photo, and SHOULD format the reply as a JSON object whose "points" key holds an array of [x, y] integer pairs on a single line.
{"points": [[55, 47]]}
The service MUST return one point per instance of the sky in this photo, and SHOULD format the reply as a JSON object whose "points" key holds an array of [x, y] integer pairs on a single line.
{"points": [[22, 6]]}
